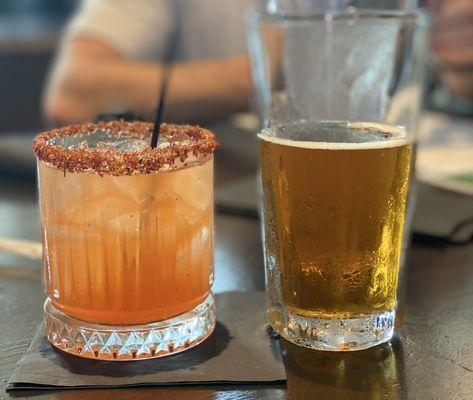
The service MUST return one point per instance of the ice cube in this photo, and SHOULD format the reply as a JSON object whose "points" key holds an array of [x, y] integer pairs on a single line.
{"points": [[86, 141], [71, 142], [139, 188], [93, 213], [131, 144], [192, 186], [91, 200], [101, 140], [179, 138], [199, 240], [129, 223]]}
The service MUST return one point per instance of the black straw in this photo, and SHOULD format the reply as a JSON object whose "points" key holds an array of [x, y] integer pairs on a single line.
{"points": [[159, 110], [169, 56]]}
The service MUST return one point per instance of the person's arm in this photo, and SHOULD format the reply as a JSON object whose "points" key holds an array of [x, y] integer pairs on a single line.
{"points": [[90, 78], [453, 44]]}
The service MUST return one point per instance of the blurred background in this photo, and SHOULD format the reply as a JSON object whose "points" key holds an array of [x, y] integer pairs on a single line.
{"points": [[29, 33], [109, 67], [31, 30]]}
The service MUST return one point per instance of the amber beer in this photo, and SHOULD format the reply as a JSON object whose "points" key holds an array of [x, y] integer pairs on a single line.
{"points": [[334, 209]]}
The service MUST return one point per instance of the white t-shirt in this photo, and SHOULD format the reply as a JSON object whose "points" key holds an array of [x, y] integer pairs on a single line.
{"points": [[141, 29]]}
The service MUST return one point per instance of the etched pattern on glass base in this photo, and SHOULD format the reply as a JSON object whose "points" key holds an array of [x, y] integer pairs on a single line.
{"points": [[347, 334], [122, 343]]}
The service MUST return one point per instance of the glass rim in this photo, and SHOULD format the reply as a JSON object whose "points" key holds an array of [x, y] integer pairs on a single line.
{"points": [[111, 161], [348, 13]]}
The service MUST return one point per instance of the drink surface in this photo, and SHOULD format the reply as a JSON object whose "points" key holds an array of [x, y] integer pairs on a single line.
{"points": [[131, 249], [334, 209]]}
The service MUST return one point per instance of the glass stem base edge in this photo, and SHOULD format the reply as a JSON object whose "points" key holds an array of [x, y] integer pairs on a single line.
{"points": [[347, 334], [124, 343]]}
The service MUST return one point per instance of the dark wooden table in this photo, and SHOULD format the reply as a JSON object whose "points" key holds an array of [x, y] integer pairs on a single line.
{"points": [[430, 358]]}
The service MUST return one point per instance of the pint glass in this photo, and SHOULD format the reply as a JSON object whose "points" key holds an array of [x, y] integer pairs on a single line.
{"points": [[338, 88]]}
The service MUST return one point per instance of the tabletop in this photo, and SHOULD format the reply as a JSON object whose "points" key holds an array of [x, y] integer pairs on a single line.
{"points": [[430, 357]]}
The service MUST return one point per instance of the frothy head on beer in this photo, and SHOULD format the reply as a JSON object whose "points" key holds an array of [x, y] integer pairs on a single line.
{"points": [[335, 135]]}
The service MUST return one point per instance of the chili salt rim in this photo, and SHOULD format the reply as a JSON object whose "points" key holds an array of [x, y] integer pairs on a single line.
{"points": [[114, 162]]}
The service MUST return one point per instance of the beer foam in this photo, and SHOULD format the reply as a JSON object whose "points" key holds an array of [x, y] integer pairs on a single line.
{"points": [[383, 144], [398, 138]]}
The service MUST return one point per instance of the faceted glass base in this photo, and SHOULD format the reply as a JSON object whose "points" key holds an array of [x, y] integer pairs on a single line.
{"points": [[121, 343], [334, 334]]}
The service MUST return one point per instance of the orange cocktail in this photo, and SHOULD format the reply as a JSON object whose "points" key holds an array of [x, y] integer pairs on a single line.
{"points": [[127, 237]]}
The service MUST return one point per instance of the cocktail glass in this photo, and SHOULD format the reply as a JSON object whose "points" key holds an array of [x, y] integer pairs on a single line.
{"points": [[127, 238]]}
